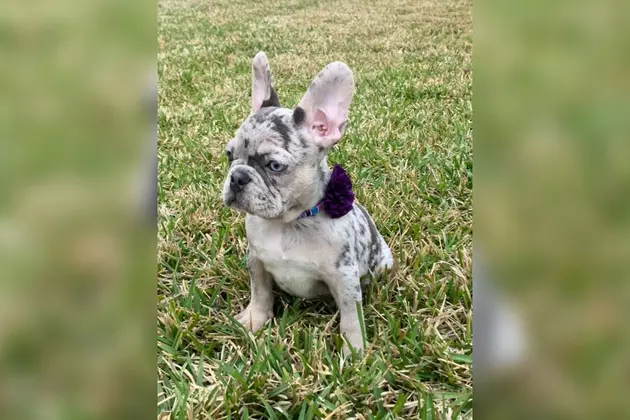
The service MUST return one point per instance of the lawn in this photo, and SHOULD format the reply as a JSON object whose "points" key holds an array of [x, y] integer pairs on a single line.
{"points": [[408, 150]]}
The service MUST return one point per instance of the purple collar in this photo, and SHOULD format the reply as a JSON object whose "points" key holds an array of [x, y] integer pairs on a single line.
{"points": [[338, 196]]}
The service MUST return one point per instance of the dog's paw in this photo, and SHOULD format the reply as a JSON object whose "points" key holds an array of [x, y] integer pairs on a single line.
{"points": [[347, 351], [356, 343], [253, 317]]}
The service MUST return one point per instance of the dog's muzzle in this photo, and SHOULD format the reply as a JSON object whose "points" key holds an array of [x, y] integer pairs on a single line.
{"points": [[238, 180]]}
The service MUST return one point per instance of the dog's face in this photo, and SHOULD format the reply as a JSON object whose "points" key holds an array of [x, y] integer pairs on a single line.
{"points": [[274, 165], [277, 158]]}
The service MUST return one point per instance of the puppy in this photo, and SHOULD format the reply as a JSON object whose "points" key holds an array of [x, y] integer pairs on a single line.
{"points": [[279, 177]]}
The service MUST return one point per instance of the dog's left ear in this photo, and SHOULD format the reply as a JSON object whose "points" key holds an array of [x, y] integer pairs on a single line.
{"points": [[263, 94], [324, 108]]}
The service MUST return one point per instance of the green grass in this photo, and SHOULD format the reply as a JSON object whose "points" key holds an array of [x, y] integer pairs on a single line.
{"points": [[408, 150]]}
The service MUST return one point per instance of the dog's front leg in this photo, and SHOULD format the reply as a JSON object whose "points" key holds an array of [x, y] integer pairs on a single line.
{"points": [[260, 307], [346, 289]]}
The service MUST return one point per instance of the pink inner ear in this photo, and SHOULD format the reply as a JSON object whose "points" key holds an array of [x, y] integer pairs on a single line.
{"points": [[256, 104], [326, 128], [320, 123], [258, 96]]}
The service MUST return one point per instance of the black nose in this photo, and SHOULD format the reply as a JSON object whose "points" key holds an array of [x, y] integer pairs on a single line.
{"points": [[238, 180]]}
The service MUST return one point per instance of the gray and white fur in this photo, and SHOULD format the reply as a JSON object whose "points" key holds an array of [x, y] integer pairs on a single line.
{"points": [[278, 169]]}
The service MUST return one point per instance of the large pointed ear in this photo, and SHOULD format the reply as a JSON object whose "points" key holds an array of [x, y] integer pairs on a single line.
{"points": [[263, 94], [324, 108]]}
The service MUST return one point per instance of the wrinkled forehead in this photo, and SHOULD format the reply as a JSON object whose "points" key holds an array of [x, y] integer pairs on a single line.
{"points": [[270, 130]]}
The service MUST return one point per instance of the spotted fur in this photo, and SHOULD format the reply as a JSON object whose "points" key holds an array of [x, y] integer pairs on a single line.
{"points": [[313, 256]]}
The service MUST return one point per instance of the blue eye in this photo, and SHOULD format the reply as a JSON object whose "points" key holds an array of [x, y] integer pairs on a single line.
{"points": [[276, 167]]}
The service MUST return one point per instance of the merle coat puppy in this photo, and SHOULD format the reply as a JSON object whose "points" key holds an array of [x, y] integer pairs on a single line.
{"points": [[278, 171]]}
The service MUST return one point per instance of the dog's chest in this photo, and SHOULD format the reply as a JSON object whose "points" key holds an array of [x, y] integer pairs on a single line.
{"points": [[291, 257]]}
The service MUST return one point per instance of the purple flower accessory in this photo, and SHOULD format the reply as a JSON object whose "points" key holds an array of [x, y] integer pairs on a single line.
{"points": [[338, 197]]}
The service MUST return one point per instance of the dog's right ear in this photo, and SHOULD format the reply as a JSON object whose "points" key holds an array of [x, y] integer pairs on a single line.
{"points": [[263, 94]]}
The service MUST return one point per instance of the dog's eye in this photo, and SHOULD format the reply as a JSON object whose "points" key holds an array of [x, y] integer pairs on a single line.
{"points": [[228, 153], [276, 167]]}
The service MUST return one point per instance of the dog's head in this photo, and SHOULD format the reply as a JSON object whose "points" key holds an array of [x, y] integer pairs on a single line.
{"points": [[278, 157]]}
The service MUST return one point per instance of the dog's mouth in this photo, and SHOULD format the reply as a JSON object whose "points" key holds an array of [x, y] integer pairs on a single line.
{"points": [[236, 202], [230, 200], [252, 202]]}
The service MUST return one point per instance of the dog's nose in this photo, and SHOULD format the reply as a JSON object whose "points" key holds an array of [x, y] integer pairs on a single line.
{"points": [[238, 180]]}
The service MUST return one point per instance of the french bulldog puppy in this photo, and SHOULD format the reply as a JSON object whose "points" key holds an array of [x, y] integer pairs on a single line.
{"points": [[278, 174]]}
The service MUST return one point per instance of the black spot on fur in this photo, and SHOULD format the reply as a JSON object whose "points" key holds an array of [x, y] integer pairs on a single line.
{"points": [[298, 116], [257, 118], [363, 249], [343, 258], [374, 243], [281, 128], [258, 163], [257, 158], [261, 116], [303, 142], [273, 100]]}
